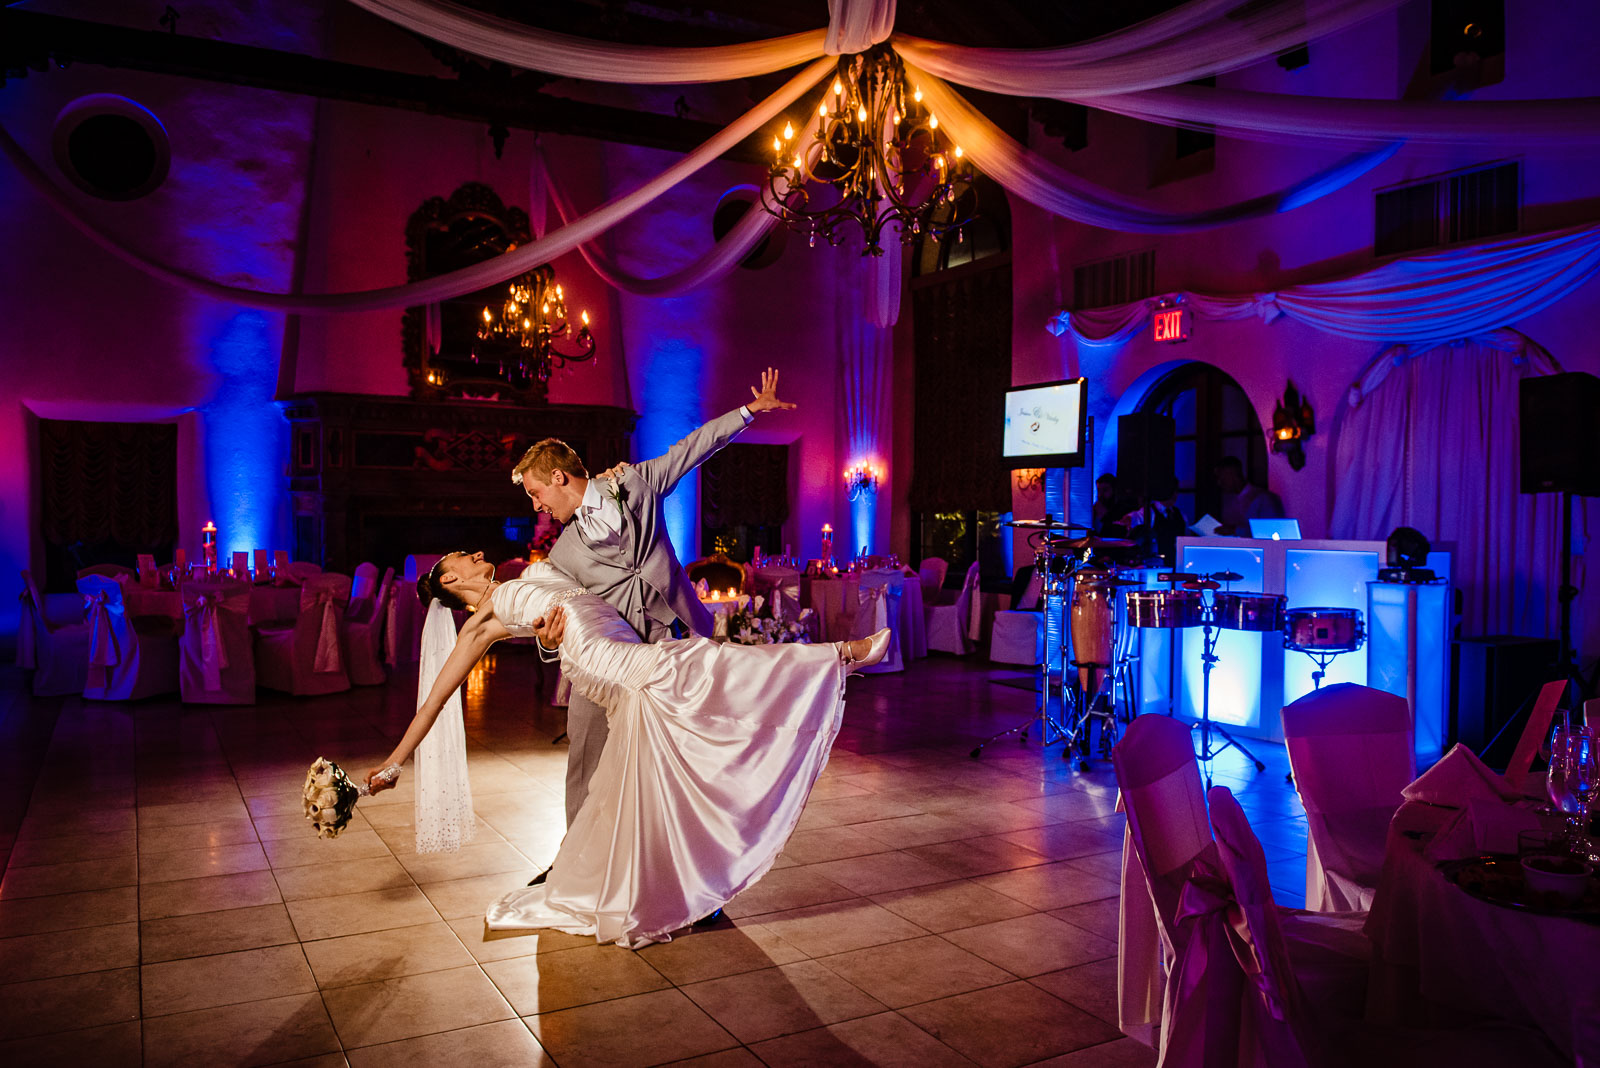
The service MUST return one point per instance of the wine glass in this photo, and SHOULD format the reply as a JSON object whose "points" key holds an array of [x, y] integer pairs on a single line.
{"points": [[1582, 781]]}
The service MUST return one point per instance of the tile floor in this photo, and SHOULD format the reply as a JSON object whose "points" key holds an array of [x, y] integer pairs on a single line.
{"points": [[164, 901]]}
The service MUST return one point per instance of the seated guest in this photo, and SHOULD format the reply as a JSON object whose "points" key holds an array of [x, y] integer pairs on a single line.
{"points": [[1159, 524], [1242, 501], [1109, 508]]}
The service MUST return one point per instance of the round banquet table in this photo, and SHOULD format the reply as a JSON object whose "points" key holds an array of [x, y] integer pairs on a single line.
{"points": [[1437, 951], [835, 602], [268, 604]]}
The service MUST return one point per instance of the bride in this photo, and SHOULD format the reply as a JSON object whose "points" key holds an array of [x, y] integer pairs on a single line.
{"points": [[712, 753]]}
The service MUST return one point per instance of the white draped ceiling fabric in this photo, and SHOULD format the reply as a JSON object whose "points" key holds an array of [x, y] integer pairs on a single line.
{"points": [[1119, 70], [1440, 296]]}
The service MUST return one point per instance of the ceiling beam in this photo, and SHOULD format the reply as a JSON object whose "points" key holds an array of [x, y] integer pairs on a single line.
{"points": [[30, 40]]}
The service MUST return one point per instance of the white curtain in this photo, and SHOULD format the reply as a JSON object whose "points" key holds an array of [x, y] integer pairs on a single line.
{"points": [[1431, 442]]}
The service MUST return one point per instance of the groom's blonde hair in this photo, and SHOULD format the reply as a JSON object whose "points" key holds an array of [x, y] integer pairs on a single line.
{"points": [[544, 457]]}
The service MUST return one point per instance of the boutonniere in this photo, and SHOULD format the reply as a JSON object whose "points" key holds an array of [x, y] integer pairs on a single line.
{"points": [[615, 491]]}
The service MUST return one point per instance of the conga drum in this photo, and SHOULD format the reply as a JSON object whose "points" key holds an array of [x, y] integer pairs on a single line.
{"points": [[1093, 623]]}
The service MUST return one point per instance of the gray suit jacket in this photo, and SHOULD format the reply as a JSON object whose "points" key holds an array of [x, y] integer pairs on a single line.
{"points": [[640, 577]]}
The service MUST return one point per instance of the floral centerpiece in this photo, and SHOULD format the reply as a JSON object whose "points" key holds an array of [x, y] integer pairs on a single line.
{"points": [[330, 796], [744, 627]]}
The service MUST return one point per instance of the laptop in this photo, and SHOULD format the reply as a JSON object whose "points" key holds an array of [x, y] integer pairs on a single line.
{"points": [[1275, 529]]}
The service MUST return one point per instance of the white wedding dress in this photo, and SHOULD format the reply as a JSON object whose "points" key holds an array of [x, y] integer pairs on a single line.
{"points": [[712, 753]]}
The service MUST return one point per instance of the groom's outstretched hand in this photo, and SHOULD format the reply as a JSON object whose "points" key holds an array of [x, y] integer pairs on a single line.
{"points": [[766, 398], [550, 628]]}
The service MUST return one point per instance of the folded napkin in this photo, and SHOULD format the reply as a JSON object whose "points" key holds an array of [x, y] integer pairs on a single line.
{"points": [[1484, 826], [1457, 779]]}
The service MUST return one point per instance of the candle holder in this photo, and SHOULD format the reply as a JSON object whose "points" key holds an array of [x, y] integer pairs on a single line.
{"points": [[208, 546], [862, 479], [827, 545]]}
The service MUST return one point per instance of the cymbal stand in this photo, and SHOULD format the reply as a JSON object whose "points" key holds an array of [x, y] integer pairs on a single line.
{"points": [[1051, 729], [1204, 725]]}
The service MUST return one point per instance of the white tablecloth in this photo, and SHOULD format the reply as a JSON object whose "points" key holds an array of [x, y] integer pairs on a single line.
{"points": [[1435, 945], [836, 602]]}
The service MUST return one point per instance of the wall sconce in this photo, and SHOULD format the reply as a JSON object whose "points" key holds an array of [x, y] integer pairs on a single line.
{"points": [[1028, 479], [862, 478], [1292, 422]]}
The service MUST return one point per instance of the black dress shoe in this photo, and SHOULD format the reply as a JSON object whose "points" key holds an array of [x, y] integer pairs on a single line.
{"points": [[540, 878], [709, 921]]}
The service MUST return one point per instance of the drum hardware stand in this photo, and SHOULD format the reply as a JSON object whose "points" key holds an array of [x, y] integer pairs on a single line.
{"points": [[1322, 660], [1051, 730], [1208, 658]]}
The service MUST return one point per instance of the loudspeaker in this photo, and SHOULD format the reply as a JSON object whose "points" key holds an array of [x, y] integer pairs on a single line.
{"points": [[1559, 433], [1497, 679], [1146, 455]]}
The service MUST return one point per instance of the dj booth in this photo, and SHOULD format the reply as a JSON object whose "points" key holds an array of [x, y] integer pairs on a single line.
{"points": [[1406, 647]]}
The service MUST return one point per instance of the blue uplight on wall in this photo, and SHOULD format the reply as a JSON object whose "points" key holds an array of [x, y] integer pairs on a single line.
{"points": [[246, 438], [672, 377]]}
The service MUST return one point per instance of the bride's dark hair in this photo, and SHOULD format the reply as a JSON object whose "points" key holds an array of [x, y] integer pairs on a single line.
{"points": [[430, 586]]}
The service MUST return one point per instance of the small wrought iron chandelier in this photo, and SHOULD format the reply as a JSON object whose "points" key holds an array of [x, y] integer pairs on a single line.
{"points": [[880, 151], [533, 317]]}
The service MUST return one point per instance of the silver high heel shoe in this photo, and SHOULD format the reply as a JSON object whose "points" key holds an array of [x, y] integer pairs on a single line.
{"points": [[878, 647]]}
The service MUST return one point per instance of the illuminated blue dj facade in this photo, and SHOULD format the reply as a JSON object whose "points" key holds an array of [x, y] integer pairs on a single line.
{"points": [[1406, 650]]}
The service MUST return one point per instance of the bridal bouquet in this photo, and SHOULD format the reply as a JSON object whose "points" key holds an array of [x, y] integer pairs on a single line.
{"points": [[746, 628], [330, 796]]}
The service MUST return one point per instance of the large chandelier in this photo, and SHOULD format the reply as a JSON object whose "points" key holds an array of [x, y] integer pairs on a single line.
{"points": [[532, 321], [879, 151]]}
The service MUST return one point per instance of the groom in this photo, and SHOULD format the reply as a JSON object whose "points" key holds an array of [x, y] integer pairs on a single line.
{"points": [[615, 545]]}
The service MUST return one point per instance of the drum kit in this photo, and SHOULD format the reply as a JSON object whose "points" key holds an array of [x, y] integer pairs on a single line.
{"points": [[1082, 576]]}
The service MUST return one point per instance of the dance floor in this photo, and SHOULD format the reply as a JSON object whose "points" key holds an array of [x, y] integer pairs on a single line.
{"points": [[164, 901]]}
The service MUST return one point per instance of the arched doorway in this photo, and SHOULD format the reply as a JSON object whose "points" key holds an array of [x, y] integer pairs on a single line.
{"points": [[1212, 418]]}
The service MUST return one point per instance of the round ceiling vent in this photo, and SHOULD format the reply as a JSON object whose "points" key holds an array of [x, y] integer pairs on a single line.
{"points": [[111, 147], [730, 209]]}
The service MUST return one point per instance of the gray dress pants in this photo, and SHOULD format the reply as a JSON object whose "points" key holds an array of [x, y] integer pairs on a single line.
{"points": [[587, 730]]}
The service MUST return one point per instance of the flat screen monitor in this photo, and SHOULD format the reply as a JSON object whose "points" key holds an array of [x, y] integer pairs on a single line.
{"points": [[1045, 424], [1275, 529]]}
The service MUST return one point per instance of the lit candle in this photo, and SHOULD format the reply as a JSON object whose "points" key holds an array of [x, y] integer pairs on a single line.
{"points": [[208, 545]]}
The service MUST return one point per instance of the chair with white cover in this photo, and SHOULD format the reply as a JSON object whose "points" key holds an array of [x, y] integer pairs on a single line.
{"points": [[216, 663], [363, 634], [364, 585], [950, 626], [1018, 633], [1305, 984], [1167, 840], [1350, 748], [129, 658], [932, 572], [877, 607], [406, 614], [56, 650], [307, 657]]}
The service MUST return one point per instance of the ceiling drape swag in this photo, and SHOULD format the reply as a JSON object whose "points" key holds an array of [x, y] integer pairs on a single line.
{"points": [[1454, 293], [456, 283]]}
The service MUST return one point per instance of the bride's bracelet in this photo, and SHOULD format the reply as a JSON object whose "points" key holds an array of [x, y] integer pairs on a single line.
{"points": [[387, 775]]}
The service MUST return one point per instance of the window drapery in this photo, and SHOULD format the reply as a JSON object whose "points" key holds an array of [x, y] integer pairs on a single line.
{"points": [[1432, 443]]}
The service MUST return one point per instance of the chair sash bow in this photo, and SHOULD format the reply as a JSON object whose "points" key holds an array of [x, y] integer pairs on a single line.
{"points": [[1208, 907], [327, 657], [205, 612], [103, 651]]}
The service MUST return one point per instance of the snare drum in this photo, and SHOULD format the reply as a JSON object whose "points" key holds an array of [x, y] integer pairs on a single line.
{"points": [[1165, 608], [1259, 612], [1094, 601], [1325, 630]]}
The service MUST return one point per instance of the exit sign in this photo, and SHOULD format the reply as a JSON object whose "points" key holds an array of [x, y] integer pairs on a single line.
{"points": [[1171, 323]]}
